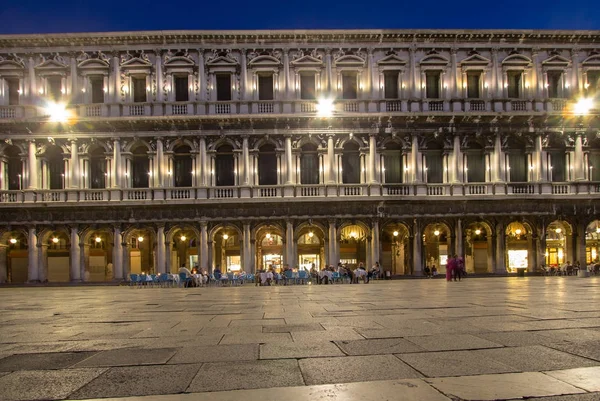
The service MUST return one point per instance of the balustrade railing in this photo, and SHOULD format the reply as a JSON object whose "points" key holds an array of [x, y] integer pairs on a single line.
{"points": [[310, 191], [11, 197], [351, 190], [351, 107], [518, 105], [393, 105], [436, 105], [265, 107], [308, 107], [137, 194], [94, 196], [224, 193], [267, 192], [180, 109], [223, 108], [477, 105], [93, 110], [521, 189], [402, 190]]}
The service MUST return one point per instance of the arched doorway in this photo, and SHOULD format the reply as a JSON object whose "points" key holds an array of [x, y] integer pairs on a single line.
{"points": [[140, 246], [519, 251], [592, 243], [269, 250], [436, 243], [395, 249], [15, 256], [226, 253], [559, 248], [56, 252], [98, 255], [352, 239], [183, 250], [478, 248], [310, 242]]}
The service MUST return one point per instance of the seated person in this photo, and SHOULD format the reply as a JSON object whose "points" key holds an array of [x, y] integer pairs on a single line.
{"points": [[217, 273], [360, 272], [434, 271], [427, 272], [188, 274]]}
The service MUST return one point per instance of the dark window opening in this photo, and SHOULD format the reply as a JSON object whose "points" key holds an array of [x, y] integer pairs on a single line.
{"points": [[435, 167], [349, 86], [309, 165], [140, 168], [514, 84], [15, 168], [13, 91], [554, 78], [473, 87], [56, 167], [265, 87], [182, 93], [475, 167], [182, 166], [393, 161], [559, 167], [225, 166], [432, 84], [97, 169], [391, 84], [351, 164], [517, 163], [307, 87], [223, 87], [593, 80], [139, 90], [267, 165], [54, 87], [594, 163], [97, 86]]}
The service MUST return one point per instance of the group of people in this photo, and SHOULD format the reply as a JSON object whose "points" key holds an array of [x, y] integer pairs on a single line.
{"points": [[455, 268], [325, 276]]}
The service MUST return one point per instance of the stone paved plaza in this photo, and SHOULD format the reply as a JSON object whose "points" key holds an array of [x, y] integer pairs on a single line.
{"points": [[480, 339]]}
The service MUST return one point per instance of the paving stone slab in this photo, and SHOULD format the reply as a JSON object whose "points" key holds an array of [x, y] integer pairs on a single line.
{"points": [[139, 380], [453, 363], [355, 369], [217, 353], [572, 335], [339, 333], [502, 386], [378, 346], [449, 342], [256, 322], [588, 349], [536, 358], [255, 338], [288, 328], [45, 361], [44, 384], [129, 356], [572, 397], [518, 338], [585, 378], [298, 350], [221, 376]]}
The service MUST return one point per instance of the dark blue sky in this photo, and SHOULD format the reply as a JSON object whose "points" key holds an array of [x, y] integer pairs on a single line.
{"points": [[45, 16]]}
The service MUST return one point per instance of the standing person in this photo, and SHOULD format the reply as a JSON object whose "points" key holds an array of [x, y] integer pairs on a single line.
{"points": [[450, 263], [458, 267]]}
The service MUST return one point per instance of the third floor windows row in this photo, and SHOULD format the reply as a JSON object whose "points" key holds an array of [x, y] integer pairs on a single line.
{"points": [[234, 75]]}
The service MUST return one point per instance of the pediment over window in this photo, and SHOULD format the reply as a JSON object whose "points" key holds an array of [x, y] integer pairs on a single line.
{"points": [[221, 58], [517, 60], [302, 59], [264, 61], [51, 64], [137, 63], [93, 64], [179, 62], [434, 60], [391, 59], [556, 61], [350, 60], [475, 60], [592, 61], [11, 65]]}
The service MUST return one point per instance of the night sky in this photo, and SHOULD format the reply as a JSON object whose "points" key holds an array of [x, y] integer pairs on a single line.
{"points": [[51, 16]]}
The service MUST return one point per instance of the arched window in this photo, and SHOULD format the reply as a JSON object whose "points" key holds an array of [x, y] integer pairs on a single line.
{"points": [[97, 168], [182, 166], [225, 166], [56, 167], [351, 164], [14, 168], [267, 165], [309, 165], [140, 167], [393, 161]]}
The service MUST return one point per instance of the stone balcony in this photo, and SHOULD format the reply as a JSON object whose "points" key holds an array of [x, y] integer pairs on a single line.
{"points": [[327, 192], [301, 107]]}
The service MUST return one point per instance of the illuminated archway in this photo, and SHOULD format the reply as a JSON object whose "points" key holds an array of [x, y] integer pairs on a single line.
{"points": [[559, 249], [592, 244], [396, 249], [226, 249], [269, 247], [183, 248], [353, 238], [310, 245], [519, 246], [436, 243], [15, 257], [478, 248], [98, 254]]}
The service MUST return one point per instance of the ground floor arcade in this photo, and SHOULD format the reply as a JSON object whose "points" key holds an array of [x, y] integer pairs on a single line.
{"points": [[63, 253]]}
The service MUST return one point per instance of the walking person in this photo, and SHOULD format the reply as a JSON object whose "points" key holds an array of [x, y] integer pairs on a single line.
{"points": [[459, 266], [450, 264]]}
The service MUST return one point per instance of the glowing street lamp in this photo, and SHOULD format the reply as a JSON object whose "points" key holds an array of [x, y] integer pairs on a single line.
{"points": [[13, 241]]}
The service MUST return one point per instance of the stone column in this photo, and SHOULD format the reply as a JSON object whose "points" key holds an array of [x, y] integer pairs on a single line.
{"points": [[247, 255], [84, 253], [74, 173], [246, 161], [73, 87], [116, 164], [373, 158], [75, 255], [331, 159], [33, 166], [161, 250], [332, 243], [32, 79], [576, 82], [288, 161], [497, 160], [289, 243], [244, 76], [578, 167], [460, 249], [329, 71], [456, 156], [537, 159], [32, 251], [413, 73], [3, 264], [116, 73], [159, 172], [375, 246], [495, 84], [417, 249], [125, 259], [500, 248], [414, 155], [286, 74], [203, 258], [159, 75], [117, 254], [42, 262], [454, 87], [581, 256]]}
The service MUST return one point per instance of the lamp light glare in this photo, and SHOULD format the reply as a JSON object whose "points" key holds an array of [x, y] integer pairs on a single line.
{"points": [[477, 232], [436, 232], [58, 112], [98, 239], [140, 239], [183, 238], [225, 236], [325, 107], [518, 231], [55, 240], [558, 230], [395, 233], [583, 106], [13, 241], [311, 234]]}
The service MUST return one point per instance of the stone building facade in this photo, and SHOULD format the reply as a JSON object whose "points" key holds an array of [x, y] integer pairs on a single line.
{"points": [[140, 152]]}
